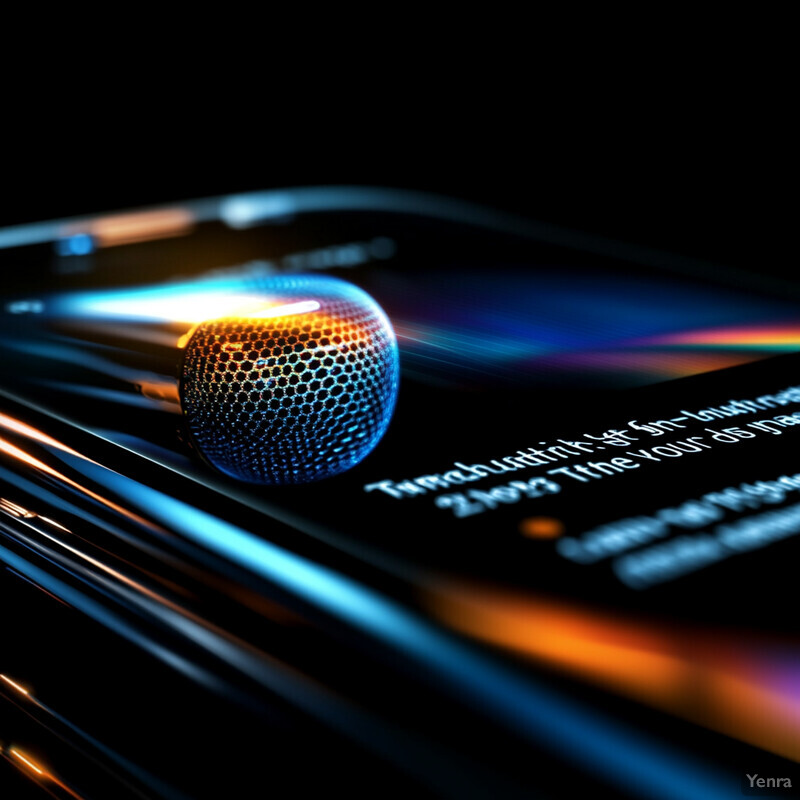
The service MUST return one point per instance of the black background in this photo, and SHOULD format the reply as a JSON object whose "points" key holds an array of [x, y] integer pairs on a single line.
{"points": [[693, 184], [690, 180]]}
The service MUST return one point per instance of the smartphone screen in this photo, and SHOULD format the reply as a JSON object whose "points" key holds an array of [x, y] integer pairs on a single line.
{"points": [[566, 565]]}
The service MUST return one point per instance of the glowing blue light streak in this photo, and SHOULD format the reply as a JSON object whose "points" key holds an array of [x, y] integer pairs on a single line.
{"points": [[242, 211], [189, 301], [622, 756], [607, 748], [437, 766]]}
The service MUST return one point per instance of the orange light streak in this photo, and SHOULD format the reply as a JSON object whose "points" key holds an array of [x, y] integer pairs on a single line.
{"points": [[20, 689], [165, 391], [15, 509], [41, 772], [9, 509], [137, 226], [239, 308], [30, 432], [26, 458], [699, 675], [27, 761]]}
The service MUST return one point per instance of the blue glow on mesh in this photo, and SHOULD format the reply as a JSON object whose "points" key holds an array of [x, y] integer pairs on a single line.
{"points": [[299, 393]]}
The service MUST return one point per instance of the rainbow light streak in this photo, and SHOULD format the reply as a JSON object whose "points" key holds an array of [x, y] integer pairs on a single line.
{"points": [[766, 336], [519, 326], [709, 678], [657, 364], [634, 330]]}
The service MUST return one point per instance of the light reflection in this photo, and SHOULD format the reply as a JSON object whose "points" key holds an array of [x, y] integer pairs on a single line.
{"points": [[17, 426], [21, 455], [27, 761], [54, 523], [189, 302], [15, 685], [303, 307], [30, 765], [596, 742], [701, 675], [15, 510], [128, 228], [251, 309]]}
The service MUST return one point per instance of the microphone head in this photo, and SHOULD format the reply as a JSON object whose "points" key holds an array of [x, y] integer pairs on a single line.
{"points": [[297, 391]]}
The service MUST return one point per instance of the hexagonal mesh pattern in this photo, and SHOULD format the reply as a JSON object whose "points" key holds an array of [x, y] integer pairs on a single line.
{"points": [[297, 397]]}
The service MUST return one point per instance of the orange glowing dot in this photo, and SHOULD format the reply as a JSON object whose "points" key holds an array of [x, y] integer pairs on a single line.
{"points": [[541, 527]]}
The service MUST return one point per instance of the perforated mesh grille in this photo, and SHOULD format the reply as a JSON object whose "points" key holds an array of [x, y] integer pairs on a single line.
{"points": [[294, 398]]}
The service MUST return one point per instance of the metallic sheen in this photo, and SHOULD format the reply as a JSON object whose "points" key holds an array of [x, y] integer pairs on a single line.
{"points": [[296, 397]]}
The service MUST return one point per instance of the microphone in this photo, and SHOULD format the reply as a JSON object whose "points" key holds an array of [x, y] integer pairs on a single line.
{"points": [[296, 381]]}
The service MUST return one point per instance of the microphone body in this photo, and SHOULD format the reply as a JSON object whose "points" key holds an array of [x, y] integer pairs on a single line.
{"points": [[297, 396], [296, 381]]}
